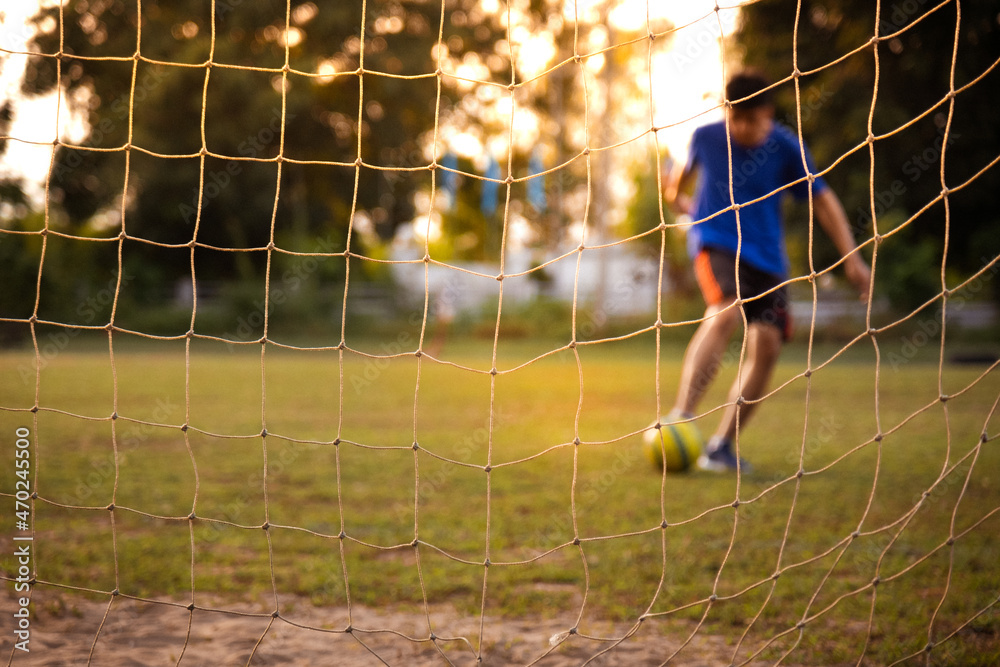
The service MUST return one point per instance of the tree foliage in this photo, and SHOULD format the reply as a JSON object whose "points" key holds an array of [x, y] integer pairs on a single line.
{"points": [[193, 102]]}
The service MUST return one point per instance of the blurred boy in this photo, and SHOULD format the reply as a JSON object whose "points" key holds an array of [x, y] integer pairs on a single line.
{"points": [[766, 157]]}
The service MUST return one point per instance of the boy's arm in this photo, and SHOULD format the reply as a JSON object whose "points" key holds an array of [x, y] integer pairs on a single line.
{"points": [[677, 184], [832, 218]]}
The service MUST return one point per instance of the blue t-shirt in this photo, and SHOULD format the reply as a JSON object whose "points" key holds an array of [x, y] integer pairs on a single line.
{"points": [[756, 173]]}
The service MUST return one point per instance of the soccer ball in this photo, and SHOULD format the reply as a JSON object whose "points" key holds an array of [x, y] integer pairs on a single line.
{"points": [[681, 446]]}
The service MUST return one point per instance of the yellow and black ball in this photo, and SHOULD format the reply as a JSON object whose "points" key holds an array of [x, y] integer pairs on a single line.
{"points": [[677, 444]]}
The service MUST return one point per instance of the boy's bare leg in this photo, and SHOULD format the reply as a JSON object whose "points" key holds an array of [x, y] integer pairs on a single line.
{"points": [[764, 343], [704, 355]]}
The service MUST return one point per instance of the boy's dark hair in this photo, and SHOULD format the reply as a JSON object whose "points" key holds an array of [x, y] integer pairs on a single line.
{"points": [[746, 84]]}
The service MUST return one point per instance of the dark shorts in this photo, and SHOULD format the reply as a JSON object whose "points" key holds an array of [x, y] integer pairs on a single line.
{"points": [[715, 270]]}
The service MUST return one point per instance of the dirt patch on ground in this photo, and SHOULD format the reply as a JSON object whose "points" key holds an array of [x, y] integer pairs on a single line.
{"points": [[67, 630]]}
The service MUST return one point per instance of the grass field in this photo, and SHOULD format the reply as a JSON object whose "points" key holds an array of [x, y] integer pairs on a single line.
{"points": [[534, 469]]}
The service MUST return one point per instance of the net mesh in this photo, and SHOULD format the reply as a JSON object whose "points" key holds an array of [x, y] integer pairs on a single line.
{"points": [[257, 424]]}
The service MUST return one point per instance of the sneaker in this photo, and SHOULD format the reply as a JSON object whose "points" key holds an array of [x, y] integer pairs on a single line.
{"points": [[719, 457]]}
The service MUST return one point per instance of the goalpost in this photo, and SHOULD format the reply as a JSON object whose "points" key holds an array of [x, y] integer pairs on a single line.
{"points": [[724, 570]]}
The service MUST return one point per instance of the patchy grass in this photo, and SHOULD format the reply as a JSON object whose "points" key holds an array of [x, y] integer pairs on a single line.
{"points": [[391, 480]]}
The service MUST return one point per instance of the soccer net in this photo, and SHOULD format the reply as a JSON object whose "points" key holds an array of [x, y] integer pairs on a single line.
{"points": [[452, 472]]}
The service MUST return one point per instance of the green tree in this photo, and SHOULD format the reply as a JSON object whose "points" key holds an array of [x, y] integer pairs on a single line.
{"points": [[910, 117], [193, 101]]}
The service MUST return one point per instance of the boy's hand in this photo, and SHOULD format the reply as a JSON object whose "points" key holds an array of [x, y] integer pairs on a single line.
{"points": [[859, 275]]}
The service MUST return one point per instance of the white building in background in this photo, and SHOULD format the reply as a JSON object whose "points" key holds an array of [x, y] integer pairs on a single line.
{"points": [[612, 281]]}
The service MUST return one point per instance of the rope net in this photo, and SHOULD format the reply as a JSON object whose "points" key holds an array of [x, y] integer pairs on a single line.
{"points": [[354, 537]]}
